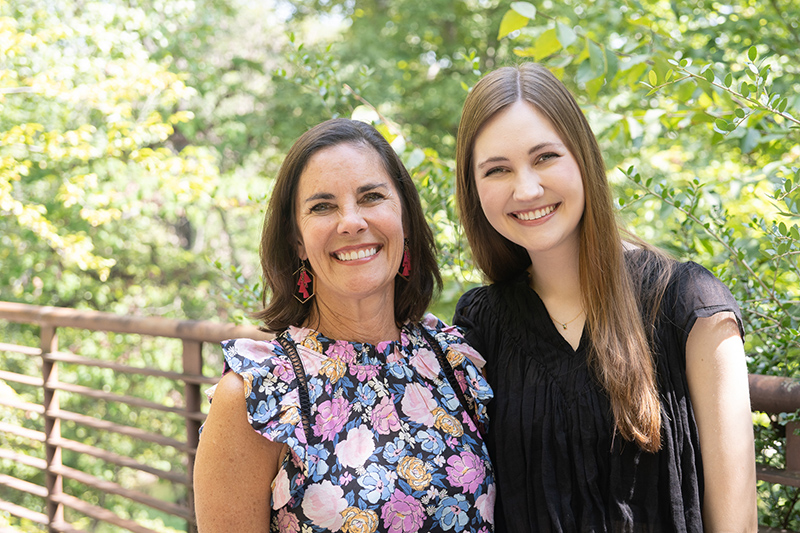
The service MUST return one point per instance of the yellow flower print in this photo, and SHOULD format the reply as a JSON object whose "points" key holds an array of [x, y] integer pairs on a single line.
{"points": [[334, 369], [454, 357], [291, 415], [359, 521], [415, 472], [447, 423], [248, 383]]}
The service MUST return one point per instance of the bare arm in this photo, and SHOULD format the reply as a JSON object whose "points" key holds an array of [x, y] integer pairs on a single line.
{"points": [[718, 385], [235, 466]]}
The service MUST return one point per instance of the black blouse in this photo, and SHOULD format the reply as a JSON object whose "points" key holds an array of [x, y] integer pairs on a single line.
{"points": [[559, 464]]}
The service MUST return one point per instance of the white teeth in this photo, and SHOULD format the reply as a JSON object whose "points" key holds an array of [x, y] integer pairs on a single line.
{"points": [[538, 213], [356, 254]]}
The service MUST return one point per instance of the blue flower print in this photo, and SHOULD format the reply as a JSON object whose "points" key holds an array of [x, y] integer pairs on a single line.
{"points": [[365, 394], [317, 459], [265, 410], [314, 389], [452, 513], [431, 441], [377, 483], [394, 450], [450, 398]]}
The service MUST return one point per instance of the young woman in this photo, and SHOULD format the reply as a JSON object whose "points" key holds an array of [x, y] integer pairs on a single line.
{"points": [[621, 394], [362, 414]]}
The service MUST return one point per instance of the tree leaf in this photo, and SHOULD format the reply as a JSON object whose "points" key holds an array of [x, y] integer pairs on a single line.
{"points": [[512, 21], [566, 36], [653, 77], [546, 44], [752, 53], [526, 9]]}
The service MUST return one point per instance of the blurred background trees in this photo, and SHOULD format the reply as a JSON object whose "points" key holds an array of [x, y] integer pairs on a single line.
{"points": [[139, 140]]}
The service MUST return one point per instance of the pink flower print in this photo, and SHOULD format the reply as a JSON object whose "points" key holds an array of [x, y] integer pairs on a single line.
{"points": [[396, 355], [430, 321], [256, 350], [364, 372], [470, 353], [287, 522], [384, 416], [323, 504], [283, 370], [452, 442], [345, 479], [402, 513], [485, 504], [418, 404], [342, 351], [466, 471], [354, 451], [466, 418], [280, 490], [331, 417], [425, 362]]}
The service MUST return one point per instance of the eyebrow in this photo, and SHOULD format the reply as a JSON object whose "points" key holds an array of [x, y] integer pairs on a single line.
{"points": [[533, 149], [364, 188]]}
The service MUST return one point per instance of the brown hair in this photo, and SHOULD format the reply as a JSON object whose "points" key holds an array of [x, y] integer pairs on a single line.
{"points": [[620, 353], [279, 237]]}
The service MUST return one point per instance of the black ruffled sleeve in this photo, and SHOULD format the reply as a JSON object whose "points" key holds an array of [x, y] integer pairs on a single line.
{"points": [[697, 293]]}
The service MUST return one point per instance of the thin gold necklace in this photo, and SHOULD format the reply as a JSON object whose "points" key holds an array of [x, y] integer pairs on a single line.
{"points": [[564, 324]]}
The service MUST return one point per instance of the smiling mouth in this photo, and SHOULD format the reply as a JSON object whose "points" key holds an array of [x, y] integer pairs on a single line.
{"points": [[356, 254], [536, 213]]}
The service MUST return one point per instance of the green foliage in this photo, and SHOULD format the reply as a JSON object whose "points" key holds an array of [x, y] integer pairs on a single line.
{"points": [[140, 139]]}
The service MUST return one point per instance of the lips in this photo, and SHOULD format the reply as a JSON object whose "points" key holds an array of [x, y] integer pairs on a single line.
{"points": [[535, 214], [354, 254]]}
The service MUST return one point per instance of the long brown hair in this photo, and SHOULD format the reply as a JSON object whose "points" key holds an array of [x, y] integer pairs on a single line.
{"points": [[280, 235], [620, 354]]}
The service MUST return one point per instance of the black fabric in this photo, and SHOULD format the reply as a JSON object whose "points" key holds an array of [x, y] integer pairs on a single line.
{"points": [[559, 465]]}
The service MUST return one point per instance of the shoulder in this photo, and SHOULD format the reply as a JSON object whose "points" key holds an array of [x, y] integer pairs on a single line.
{"points": [[268, 388], [451, 339]]}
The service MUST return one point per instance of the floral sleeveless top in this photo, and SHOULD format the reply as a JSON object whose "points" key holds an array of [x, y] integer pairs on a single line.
{"points": [[391, 447]]}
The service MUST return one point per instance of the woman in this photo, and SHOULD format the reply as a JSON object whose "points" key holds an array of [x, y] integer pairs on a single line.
{"points": [[353, 418], [621, 393]]}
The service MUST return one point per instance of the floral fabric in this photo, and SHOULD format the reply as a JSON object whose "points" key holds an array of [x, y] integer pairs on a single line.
{"points": [[391, 449]]}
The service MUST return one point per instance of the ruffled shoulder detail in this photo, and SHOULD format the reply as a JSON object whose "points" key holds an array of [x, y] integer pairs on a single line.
{"points": [[271, 391], [467, 364]]}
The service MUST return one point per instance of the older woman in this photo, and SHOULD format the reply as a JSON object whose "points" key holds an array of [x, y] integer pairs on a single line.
{"points": [[362, 414]]}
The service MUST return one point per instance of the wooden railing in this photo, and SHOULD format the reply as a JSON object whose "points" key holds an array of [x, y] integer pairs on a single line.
{"points": [[185, 402], [769, 394]]}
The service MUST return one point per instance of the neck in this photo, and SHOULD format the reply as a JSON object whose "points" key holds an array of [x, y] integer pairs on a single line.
{"points": [[556, 277], [366, 320]]}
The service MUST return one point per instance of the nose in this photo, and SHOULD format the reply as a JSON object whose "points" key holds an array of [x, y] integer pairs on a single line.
{"points": [[528, 185], [351, 222]]}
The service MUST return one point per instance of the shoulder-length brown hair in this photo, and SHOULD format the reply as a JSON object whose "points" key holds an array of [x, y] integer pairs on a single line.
{"points": [[280, 235], [620, 355]]}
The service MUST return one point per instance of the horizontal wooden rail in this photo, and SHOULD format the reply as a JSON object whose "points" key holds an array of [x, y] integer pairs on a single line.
{"points": [[59, 357], [60, 317], [185, 403]]}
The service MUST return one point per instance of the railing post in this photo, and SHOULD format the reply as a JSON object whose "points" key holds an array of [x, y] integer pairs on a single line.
{"points": [[192, 364], [792, 450], [52, 428]]}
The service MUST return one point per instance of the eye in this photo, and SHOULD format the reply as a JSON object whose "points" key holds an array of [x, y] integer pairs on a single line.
{"points": [[547, 156], [321, 207], [494, 171], [371, 197]]}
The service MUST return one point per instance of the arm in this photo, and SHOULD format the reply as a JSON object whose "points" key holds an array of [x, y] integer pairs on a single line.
{"points": [[718, 385], [234, 467]]}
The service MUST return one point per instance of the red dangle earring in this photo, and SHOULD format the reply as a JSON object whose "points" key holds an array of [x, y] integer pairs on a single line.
{"points": [[305, 283], [405, 266]]}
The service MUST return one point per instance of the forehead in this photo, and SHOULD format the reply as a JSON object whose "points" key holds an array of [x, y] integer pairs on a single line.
{"points": [[342, 167], [517, 124]]}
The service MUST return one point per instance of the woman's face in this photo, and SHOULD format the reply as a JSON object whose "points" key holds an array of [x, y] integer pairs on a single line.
{"points": [[529, 184], [349, 216]]}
